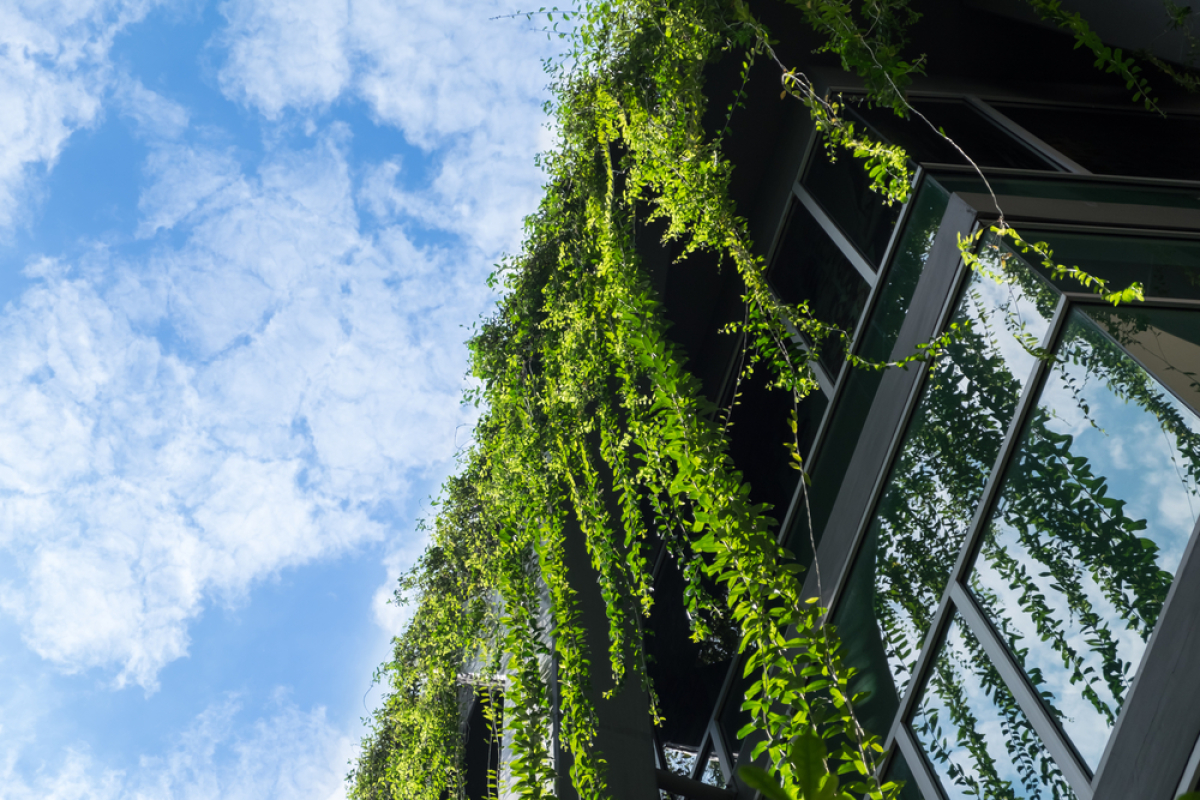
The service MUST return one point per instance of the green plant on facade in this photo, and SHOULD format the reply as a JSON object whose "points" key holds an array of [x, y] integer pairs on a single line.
{"points": [[591, 422]]}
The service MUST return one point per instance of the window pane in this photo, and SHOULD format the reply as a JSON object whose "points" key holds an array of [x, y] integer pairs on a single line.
{"points": [[979, 741], [896, 293], [948, 452], [1108, 142], [900, 772], [1092, 191], [712, 774], [988, 144], [1164, 267], [680, 760], [687, 676], [759, 433], [1096, 509], [809, 267], [843, 189], [879, 337]]}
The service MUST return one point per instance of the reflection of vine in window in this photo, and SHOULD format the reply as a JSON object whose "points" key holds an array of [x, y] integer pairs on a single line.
{"points": [[1066, 522], [954, 439], [962, 677], [1033, 602]]}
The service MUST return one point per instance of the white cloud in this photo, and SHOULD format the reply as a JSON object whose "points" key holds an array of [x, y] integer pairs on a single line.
{"points": [[156, 116], [310, 374], [53, 72], [289, 754], [392, 616], [285, 53], [454, 81]]}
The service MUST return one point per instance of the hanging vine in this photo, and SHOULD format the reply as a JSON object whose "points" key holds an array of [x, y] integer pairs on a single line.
{"points": [[593, 426]]}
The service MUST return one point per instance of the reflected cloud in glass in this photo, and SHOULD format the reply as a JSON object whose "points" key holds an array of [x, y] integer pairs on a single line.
{"points": [[978, 741], [1095, 512], [949, 449]]}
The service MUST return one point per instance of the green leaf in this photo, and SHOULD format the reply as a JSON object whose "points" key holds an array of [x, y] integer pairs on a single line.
{"points": [[763, 781], [813, 778]]}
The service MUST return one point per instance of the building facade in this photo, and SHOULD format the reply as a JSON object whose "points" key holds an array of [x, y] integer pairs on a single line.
{"points": [[1005, 539]]}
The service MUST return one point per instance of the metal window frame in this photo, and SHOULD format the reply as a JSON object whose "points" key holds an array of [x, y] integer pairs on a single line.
{"points": [[1051, 154], [832, 387], [1147, 696], [956, 597]]}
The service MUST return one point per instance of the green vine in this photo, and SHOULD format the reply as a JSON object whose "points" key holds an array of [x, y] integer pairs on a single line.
{"points": [[593, 426]]}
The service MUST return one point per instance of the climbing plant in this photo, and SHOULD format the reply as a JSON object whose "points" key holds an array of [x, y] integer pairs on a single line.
{"points": [[592, 425]]}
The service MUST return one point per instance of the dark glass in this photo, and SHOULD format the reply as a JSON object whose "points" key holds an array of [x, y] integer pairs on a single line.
{"points": [[879, 338], [1058, 188], [901, 773], [481, 744], [843, 189], [896, 294], [988, 144], [680, 760], [949, 449], [1110, 142], [865, 651], [1096, 509], [809, 268], [687, 676], [1164, 267], [978, 740]]}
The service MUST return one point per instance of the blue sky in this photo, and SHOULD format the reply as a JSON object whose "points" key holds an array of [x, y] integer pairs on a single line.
{"points": [[239, 243]]}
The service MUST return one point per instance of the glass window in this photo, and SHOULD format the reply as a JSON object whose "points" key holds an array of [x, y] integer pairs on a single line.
{"points": [[809, 268], [1061, 188], [759, 433], [879, 338], [901, 773], [1095, 511], [949, 450], [711, 773], [1109, 142], [843, 189], [687, 675], [896, 293], [680, 760], [988, 144], [1167, 268], [977, 738]]}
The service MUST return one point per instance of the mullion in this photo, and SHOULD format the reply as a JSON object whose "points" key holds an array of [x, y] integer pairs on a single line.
{"points": [[835, 234], [930, 649], [843, 374], [1027, 402], [926, 779], [1054, 158], [910, 404]]}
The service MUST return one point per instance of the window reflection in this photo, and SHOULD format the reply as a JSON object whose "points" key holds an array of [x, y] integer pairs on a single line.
{"points": [[1095, 512], [878, 340], [978, 740], [949, 449]]}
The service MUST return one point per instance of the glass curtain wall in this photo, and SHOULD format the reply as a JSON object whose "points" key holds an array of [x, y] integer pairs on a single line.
{"points": [[1048, 477]]}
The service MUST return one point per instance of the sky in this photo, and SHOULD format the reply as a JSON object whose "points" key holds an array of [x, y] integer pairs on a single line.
{"points": [[241, 244]]}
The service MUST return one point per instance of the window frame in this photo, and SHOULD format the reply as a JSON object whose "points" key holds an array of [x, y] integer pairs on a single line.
{"points": [[1157, 730]]}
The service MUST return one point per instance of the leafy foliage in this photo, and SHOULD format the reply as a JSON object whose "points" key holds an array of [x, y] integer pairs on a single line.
{"points": [[592, 426]]}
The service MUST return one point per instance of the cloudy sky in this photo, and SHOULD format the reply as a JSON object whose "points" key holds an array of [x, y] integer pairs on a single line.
{"points": [[239, 242]]}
